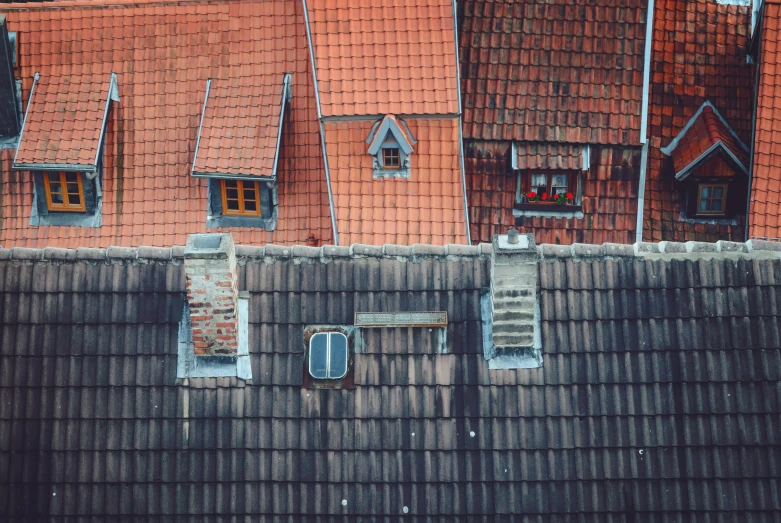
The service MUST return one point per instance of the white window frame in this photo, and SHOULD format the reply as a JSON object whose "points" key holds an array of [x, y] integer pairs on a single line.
{"points": [[328, 355]]}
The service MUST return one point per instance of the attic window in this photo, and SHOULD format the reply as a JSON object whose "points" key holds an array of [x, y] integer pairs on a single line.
{"points": [[390, 144], [240, 198], [328, 355], [712, 199], [64, 192]]}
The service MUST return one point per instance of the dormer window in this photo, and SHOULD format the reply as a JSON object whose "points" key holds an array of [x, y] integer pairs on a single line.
{"points": [[62, 145], [390, 143], [238, 150], [64, 192], [391, 158]]}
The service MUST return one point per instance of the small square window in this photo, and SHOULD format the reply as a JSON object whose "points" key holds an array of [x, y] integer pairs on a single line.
{"points": [[328, 355], [64, 192], [391, 158], [712, 199], [240, 198]]}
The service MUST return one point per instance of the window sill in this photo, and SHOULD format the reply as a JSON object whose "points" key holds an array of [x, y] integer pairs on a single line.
{"points": [[547, 210], [711, 220]]}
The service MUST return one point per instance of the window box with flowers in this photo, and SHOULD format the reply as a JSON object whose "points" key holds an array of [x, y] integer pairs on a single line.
{"points": [[551, 192]]}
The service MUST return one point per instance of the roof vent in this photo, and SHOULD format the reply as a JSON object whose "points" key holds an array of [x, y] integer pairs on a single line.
{"points": [[513, 338]]}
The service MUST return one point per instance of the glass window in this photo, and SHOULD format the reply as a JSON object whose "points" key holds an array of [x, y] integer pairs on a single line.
{"points": [[712, 199], [551, 187], [240, 198], [328, 355], [539, 184], [559, 184], [391, 158], [64, 192]]}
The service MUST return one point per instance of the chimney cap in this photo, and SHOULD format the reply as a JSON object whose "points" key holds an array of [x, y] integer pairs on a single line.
{"points": [[208, 245], [514, 241]]}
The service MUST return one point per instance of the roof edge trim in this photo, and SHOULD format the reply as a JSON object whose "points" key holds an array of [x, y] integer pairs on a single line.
{"points": [[228, 176], [463, 179], [36, 77], [458, 58], [200, 126], [285, 98], [74, 167], [113, 96], [673, 144], [331, 203], [684, 173]]}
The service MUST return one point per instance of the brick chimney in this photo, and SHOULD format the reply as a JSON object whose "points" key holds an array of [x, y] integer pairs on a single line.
{"points": [[212, 294], [515, 331]]}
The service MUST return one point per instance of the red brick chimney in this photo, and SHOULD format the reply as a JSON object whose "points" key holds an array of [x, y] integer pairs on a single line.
{"points": [[212, 293]]}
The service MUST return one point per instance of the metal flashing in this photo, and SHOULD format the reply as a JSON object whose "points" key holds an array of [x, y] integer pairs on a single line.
{"points": [[331, 204], [649, 32], [285, 98], [514, 156], [458, 61], [674, 143], [586, 152], [683, 174], [408, 116], [641, 193], [401, 319], [200, 126], [36, 77], [463, 179], [113, 96]]}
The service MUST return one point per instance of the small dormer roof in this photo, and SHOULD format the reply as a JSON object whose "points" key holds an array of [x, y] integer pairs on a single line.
{"points": [[65, 122], [707, 133], [395, 126]]}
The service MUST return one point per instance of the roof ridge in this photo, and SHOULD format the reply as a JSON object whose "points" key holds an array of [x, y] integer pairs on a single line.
{"points": [[145, 254]]}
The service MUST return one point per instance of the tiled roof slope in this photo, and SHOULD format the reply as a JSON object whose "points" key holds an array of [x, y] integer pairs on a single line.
{"points": [[706, 131], [558, 71], [65, 119], [163, 53], [427, 207], [241, 125], [548, 156], [385, 56], [658, 399], [609, 197], [699, 54], [764, 206]]}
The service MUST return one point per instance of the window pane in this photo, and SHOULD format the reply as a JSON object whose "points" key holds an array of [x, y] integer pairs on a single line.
{"points": [[56, 198], [318, 355], [703, 204], [232, 193], [391, 158], [559, 180], [715, 205], [73, 188], [338, 364], [72, 177], [539, 180], [705, 191], [718, 192], [249, 206]]}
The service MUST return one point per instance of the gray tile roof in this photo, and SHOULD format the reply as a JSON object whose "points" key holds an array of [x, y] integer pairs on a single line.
{"points": [[658, 399]]}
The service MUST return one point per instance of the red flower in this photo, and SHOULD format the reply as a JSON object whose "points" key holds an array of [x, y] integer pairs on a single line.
{"points": [[569, 196], [544, 196], [531, 194]]}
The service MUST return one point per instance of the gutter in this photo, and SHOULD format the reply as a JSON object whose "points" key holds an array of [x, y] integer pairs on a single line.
{"points": [[322, 126], [649, 34]]}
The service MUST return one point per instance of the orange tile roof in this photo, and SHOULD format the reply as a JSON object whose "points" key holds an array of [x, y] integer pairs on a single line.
{"points": [[385, 57], [241, 126], [64, 120], [426, 208], [548, 156], [765, 201], [699, 54], [553, 70], [703, 135], [163, 53]]}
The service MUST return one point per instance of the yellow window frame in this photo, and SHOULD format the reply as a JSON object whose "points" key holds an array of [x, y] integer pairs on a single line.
{"points": [[71, 202], [241, 200]]}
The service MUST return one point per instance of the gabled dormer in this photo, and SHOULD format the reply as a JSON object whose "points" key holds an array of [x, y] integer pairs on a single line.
{"points": [[10, 112], [710, 164], [390, 143]]}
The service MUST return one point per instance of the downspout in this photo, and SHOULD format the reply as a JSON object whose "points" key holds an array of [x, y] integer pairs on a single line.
{"points": [[320, 121], [649, 33], [36, 77]]}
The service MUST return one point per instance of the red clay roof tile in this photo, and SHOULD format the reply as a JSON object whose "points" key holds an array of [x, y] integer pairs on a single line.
{"points": [[561, 70], [241, 125], [699, 54], [163, 53], [701, 137], [427, 207], [65, 118], [548, 156], [363, 56], [764, 211]]}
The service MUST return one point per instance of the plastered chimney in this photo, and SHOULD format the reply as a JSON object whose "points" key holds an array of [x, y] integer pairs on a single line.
{"points": [[212, 294]]}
